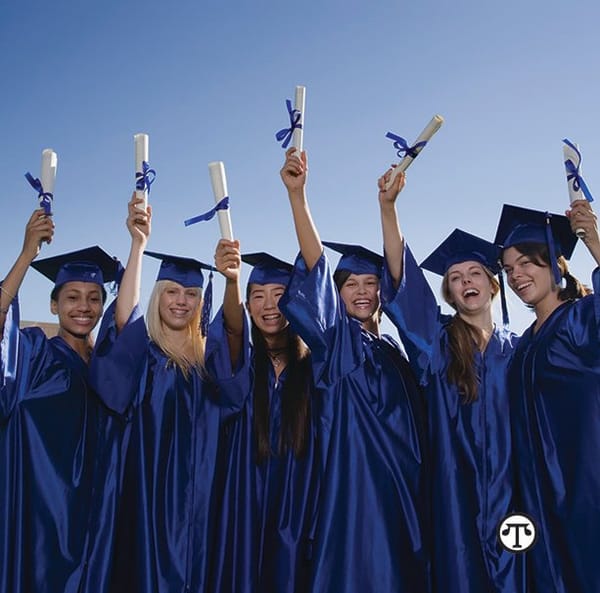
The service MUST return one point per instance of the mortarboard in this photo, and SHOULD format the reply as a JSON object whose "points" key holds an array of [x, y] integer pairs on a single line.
{"points": [[267, 269], [522, 225], [459, 247], [183, 270], [357, 259], [187, 272], [91, 264]]}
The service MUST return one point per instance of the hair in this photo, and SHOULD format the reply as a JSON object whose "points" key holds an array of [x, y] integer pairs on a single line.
{"points": [[464, 339], [295, 396], [57, 290], [539, 256], [340, 277], [158, 336]]}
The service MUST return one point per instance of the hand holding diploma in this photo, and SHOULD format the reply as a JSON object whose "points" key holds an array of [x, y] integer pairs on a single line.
{"points": [[45, 185], [578, 190], [410, 153]]}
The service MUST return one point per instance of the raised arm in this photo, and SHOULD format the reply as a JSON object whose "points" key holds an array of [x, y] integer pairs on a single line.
{"points": [[228, 261], [39, 228], [582, 216], [293, 174], [393, 241], [139, 226]]}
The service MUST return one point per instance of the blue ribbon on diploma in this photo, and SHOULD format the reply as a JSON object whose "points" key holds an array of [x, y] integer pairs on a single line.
{"points": [[221, 205], [45, 197], [574, 175], [286, 134], [144, 178], [401, 145]]}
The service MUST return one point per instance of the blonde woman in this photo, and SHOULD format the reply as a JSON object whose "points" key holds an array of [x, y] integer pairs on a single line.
{"points": [[157, 378]]}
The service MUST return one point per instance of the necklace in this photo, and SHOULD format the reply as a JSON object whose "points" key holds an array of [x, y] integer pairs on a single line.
{"points": [[276, 361], [275, 356]]}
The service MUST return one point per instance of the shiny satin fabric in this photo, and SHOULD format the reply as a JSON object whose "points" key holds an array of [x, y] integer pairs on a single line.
{"points": [[555, 404], [275, 497], [370, 532], [470, 444], [57, 474], [165, 518]]}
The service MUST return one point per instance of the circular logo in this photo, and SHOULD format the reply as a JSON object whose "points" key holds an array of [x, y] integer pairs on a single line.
{"points": [[517, 533]]}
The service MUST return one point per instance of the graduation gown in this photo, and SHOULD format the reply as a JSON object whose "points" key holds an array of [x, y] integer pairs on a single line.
{"points": [[470, 444], [370, 530], [555, 404], [275, 499], [165, 518], [58, 460]]}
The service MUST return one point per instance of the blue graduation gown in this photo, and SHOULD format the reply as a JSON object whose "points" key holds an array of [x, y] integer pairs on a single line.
{"points": [[470, 444], [165, 519], [555, 405], [57, 468], [370, 531], [278, 516]]}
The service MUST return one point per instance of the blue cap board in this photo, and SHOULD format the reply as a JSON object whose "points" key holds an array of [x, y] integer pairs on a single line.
{"points": [[356, 259], [267, 269], [183, 270]]}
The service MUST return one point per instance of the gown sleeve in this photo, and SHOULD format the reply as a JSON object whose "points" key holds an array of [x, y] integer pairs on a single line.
{"points": [[233, 385], [119, 360], [413, 309], [312, 305]]}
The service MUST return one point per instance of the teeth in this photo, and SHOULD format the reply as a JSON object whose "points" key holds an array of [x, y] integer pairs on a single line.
{"points": [[471, 292]]}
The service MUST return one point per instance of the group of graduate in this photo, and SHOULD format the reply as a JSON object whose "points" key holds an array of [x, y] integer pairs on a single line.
{"points": [[286, 445]]}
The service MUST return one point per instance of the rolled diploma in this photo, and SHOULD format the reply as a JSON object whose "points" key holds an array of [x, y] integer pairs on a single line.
{"points": [[298, 134], [432, 127], [140, 142], [48, 174], [216, 170], [569, 153]]}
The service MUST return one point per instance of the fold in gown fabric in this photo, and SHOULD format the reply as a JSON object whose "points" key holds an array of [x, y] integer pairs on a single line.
{"points": [[371, 525], [554, 379], [59, 455], [470, 444], [282, 491], [165, 518]]}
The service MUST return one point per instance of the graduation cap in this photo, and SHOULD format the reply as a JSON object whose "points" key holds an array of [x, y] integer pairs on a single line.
{"points": [[522, 225], [187, 272], [183, 270], [459, 247], [357, 259], [91, 264], [267, 269]]}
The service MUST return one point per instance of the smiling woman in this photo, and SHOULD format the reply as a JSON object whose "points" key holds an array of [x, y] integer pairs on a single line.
{"points": [[54, 434]]}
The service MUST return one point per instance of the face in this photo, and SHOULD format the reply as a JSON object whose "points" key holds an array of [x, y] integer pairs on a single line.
{"points": [[263, 308], [470, 287], [360, 294], [531, 282], [79, 307], [178, 305]]}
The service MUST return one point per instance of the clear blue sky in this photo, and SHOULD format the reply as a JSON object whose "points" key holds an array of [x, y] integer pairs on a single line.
{"points": [[207, 81]]}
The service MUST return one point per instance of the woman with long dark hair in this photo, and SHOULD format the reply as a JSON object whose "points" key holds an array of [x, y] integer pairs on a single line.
{"points": [[554, 382], [281, 413], [461, 362]]}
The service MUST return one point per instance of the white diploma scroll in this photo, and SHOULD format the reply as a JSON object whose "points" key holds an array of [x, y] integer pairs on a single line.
{"points": [[140, 142], [48, 174], [216, 170], [574, 194], [298, 134], [432, 127]]}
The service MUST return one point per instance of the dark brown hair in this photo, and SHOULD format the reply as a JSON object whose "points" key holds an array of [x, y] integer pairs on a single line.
{"points": [[539, 256], [295, 397], [464, 339]]}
